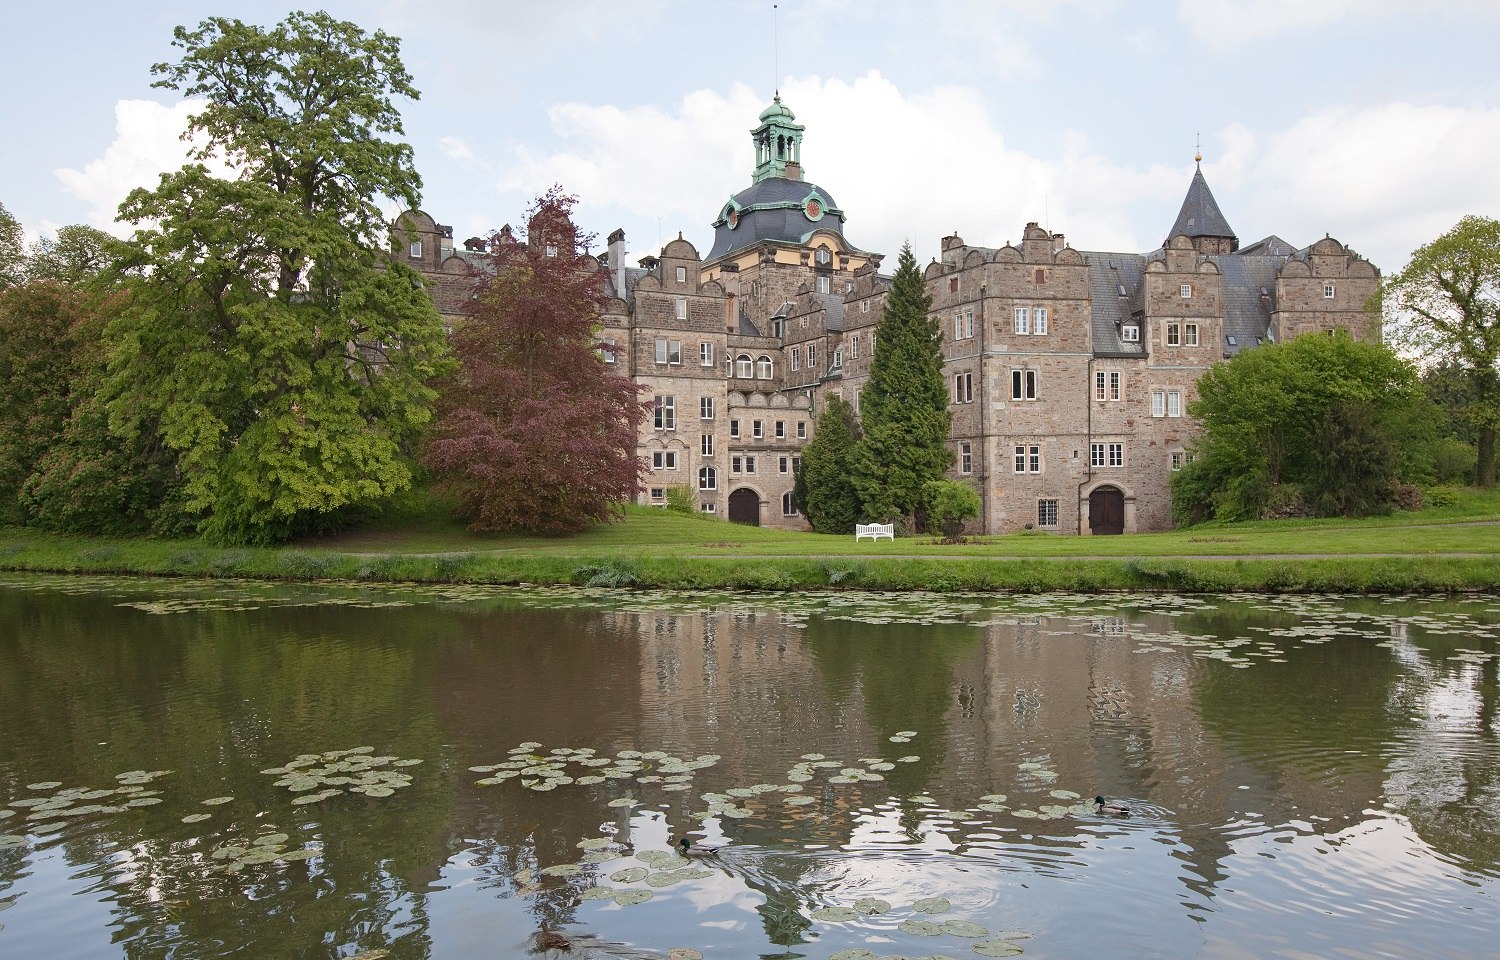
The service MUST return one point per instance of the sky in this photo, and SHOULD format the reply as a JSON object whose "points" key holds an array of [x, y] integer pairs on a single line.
{"points": [[1375, 121]]}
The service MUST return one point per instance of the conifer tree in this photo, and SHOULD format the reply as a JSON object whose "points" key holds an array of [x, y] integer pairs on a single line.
{"points": [[831, 502], [904, 407]]}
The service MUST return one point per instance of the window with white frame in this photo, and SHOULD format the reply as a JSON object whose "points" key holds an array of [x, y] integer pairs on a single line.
{"points": [[1174, 403], [737, 464], [838, 358], [1023, 320], [1190, 334], [709, 507], [1158, 403], [963, 388], [1185, 291], [668, 351], [1130, 333], [757, 430], [854, 347], [965, 457], [658, 493], [963, 325], [415, 250], [1174, 334], [607, 349], [812, 356], [664, 409], [872, 343], [763, 368], [783, 464], [734, 429], [682, 274], [664, 460], [1328, 291], [707, 480], [796, 356], [744, 366], [822, 284], [705, 354], [1039, 321], [1023, 384], [1028, 458], [749, 464], [706, 446], [1046, 513], [682, 308], [1176, 459], [705, 408], [801, 429], [550, 250], [1107, 454], [1107, 385], [780, 429], [787, 510]]}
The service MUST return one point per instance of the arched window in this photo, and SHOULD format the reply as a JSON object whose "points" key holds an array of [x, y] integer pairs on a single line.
{"points": [[707, 479], [763, 368], [743, 366]]}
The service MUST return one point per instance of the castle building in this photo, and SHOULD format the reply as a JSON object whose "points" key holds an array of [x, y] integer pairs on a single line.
{"points": [[1070, 371]]}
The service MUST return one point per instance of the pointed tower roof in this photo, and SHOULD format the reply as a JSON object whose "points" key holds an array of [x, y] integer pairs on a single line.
{"points": [[1200, 215]]}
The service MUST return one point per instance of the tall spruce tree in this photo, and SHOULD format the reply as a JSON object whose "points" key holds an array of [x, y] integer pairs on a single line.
{"points": [[831, 502], [904, 407]]}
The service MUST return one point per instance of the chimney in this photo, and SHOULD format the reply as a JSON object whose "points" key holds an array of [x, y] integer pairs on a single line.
{"points": [[617, 260], [793, 170]]}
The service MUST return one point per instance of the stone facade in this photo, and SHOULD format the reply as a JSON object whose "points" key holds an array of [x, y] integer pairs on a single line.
{"points": [[1070, 372]]}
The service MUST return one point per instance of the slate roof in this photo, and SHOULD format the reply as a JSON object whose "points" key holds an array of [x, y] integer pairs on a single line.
{"points": [[1200, 215], [771, 209], [1249, 297], [1109, 273]]}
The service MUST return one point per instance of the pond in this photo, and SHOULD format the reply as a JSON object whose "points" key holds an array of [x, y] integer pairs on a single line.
{"points": [[199, 770]]}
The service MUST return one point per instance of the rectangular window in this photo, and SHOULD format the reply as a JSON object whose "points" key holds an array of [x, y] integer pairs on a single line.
{"points": [[665, 411], [1176, 460], [658, 493], [1099, 381], [749, 464], [1130, 333], [1328, 291], [757, 430], [783, 464], [1096, 454], [1023, 384], [736, 464], [682, 308], [1174, 334], [415, 249], [664, 460], [709, 507], [780, 429], [1046, 513], [707, 446], [812, 356], [838, 358], [963, 388], [705, 408], [705, 354], [1186, 291], [734, 429], [1117, 454], [669, 351], [550, 250], [1190, 334], [607, 349], [822, 284], [854, 347], [796, 359], [1028, 458], [1023, 320], [682, 274], [1114, 384], [958, 326], [1174, 403], [801, 429], [965, 457], [1039, 321], [1158, 403]]}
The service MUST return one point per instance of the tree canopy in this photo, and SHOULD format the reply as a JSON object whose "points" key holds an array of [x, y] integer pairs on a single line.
{"points": [[904, 406], [831, 502], [12, 250], [534, 432], [1324, 423], [1445, 305], [268, 340]]}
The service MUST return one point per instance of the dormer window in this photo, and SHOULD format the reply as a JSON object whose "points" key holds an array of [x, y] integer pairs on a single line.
{"points": [[824, 257], [1130, 333]]}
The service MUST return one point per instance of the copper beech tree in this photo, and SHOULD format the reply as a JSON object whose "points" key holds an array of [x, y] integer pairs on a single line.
{"points": [[534, 433]]}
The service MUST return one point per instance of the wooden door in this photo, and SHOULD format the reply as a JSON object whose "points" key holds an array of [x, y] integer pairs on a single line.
{"points": [[1106, 511]]}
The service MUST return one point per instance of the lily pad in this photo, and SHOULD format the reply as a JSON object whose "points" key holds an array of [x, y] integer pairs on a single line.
{"points": [[271, 839], [932, 905], [1065, 795], [9, 840], [856, 953], [629, 875], [871, 907], [799, 801], [216, 801], [600, 856], [997, 948], [921, 928], [597, 893], [562, 870], [964, 928], [595, 843], [197, 817], [628, 898], [143, 802], [835, 914], [44, 785], [623, 802]]}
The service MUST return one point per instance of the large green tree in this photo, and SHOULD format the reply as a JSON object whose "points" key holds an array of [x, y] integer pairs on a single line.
{"points": [[76, 255], [832, 503], [12, 250], [904, 406], [1324, 421], [1446, 305], [269, 341]]}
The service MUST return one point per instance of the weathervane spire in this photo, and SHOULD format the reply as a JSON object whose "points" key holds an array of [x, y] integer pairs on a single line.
{"points": [[776, 49], [1198, 148]]}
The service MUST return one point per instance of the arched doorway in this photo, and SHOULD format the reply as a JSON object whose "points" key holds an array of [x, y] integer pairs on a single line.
{"points": [[1106, 511], [744, 507]]}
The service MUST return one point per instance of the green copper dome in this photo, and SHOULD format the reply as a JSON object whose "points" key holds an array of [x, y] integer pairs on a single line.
{"points": [[777, 111]]}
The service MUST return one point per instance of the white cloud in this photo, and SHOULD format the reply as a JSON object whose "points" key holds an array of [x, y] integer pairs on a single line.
{"points": [[1230, 23], [148, 142], [456, 149], [1384, 179]]}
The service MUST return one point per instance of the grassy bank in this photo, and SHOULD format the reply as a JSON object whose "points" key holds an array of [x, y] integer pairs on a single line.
{"points": [[1456, 547]]}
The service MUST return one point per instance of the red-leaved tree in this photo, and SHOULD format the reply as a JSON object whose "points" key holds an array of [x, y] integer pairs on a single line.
{"points": [[533, 432]]}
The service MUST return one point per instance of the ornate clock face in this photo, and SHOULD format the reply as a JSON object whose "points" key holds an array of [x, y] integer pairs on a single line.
{"points": [[814, 209], [733, 218]]}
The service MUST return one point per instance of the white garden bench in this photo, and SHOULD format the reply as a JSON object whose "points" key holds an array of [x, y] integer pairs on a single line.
{"points": [[874, 531]]}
